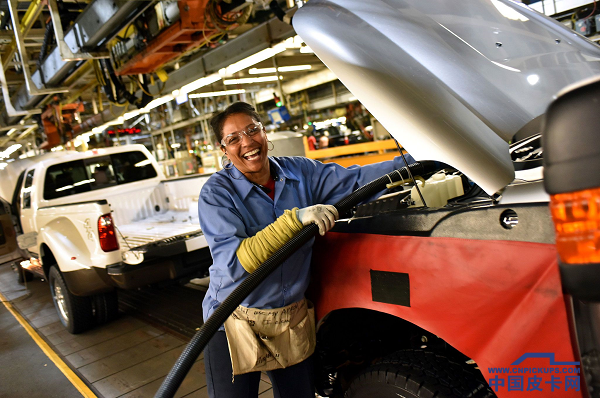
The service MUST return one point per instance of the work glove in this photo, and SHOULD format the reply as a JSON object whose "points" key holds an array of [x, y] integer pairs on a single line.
{"points": [[322, 215]]}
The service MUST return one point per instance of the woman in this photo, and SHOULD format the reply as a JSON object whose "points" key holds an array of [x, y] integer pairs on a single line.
{"points": [[247, 211]]}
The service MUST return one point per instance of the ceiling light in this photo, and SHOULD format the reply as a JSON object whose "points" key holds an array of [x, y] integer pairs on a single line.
{"points": [[253, 59], [10, 132], [195, 85], [9, 151], [134, 113], [306, 50], [217, 93], [293, 68], [256, 71], [159, 101], [250, 80], [293, 42]]}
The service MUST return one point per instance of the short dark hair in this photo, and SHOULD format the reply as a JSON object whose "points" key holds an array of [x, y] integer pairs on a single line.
{"points": [[217, 121]]}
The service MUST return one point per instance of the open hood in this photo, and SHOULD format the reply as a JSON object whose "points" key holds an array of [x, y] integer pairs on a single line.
{"points": [[451, 81]]}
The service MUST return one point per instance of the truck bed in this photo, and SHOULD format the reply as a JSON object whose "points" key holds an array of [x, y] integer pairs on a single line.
{"points": [[157, 228]]}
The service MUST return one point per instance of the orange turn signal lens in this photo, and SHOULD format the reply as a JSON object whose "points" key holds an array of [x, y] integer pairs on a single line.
{"points": [[576, 218]]}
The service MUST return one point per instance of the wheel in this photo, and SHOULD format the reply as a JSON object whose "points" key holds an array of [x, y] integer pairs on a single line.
{"points": [[106, 307], [75, 312], [417, 374], [23, 275]]}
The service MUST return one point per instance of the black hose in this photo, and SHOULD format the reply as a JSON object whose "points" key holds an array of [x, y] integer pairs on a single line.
{"points": [[202, 337]]}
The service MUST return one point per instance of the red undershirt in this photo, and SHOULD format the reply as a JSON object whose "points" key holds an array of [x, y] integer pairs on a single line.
{"points": [[271, 187]]}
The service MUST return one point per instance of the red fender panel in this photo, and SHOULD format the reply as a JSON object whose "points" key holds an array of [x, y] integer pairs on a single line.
{"points": [[492, 300]]}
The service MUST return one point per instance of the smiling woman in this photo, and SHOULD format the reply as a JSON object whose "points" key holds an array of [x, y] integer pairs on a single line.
{"points": [[244, 141], [248, 211]]}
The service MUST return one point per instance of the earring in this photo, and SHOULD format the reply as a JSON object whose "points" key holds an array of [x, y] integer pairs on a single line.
{"points": [[226, 162], [272, 145]]}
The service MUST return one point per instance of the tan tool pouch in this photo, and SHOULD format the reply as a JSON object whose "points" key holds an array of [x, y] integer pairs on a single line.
{"points": [[262, 340]]}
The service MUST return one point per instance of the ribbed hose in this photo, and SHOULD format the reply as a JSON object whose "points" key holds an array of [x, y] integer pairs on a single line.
{"points": [[202, 337]]}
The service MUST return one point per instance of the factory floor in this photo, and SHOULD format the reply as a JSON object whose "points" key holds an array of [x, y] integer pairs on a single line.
{"points": [[127, 358]]}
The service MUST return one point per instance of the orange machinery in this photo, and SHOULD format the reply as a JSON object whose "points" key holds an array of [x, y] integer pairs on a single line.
{"points": [[196, 26]]}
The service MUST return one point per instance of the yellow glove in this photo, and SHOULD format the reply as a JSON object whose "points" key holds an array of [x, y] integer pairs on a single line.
{"points": [[255, 250]]}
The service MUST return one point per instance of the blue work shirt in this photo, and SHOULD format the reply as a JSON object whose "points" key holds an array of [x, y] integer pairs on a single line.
{"points": [[232, 209]]}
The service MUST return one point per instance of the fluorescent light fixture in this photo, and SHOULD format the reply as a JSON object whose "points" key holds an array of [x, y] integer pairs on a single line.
{"points": [[253, 59], [113, 122], [293, 68], [250, 80], [9, 151], [196, 84], [10, 132], [258, 71], [306, 50], [217, 93], [293, 42], [159, 101], [134, 113], [180, 99], [3, 165]]}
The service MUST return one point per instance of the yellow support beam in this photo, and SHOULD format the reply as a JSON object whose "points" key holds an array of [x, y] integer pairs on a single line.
{"points": [[373, 146], [360, 154]]}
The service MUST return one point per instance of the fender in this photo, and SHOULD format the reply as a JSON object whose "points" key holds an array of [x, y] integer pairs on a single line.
{"points": [[78, 264], [494, 309]]}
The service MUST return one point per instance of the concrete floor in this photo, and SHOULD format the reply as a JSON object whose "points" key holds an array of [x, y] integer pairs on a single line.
{"points": [[125, 358], [21, 359]]}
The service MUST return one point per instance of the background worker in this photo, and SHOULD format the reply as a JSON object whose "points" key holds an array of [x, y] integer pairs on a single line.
{"points": [[247, 211]]}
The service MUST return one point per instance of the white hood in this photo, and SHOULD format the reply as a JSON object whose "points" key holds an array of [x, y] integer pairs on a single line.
{"points": [[451, 81]]}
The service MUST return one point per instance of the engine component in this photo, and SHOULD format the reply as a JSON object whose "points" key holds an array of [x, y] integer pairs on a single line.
{"points": [[438, 189]]}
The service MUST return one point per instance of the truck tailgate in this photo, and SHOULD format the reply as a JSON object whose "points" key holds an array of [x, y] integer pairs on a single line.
{"points": [[160, 228]]}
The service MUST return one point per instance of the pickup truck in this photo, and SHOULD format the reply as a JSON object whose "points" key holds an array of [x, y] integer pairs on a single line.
{"points": [[94, 221], [495, 292]]}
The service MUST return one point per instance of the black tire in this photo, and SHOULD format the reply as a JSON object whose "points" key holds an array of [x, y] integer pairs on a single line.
{"points": [[417, 374], [74, 312], [23, 275], [106, 307]]}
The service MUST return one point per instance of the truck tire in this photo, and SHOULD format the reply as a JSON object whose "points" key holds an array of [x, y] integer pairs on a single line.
{"points": [[106, 307], [416, 374], [75, 312]]}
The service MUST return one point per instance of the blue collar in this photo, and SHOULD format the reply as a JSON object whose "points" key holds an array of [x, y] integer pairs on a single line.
{"points": [[243, 186]]}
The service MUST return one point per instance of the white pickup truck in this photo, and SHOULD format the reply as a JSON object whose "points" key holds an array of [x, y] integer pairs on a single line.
{"points": [[99, 220]]}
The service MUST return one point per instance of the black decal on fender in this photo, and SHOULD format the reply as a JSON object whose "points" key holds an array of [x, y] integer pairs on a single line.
{"points": [[390, 287]]}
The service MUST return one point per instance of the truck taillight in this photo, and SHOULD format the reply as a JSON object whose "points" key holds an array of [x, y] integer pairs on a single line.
{"points": [[106, 233], [576, 218]]}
